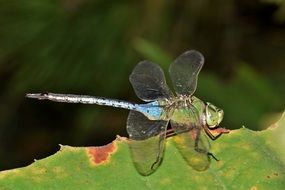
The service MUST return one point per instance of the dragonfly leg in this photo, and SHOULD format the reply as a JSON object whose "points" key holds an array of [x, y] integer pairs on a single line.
{"points": [[200, 150], [215, 133], [208, 132], [170, 133], [211, 154]]}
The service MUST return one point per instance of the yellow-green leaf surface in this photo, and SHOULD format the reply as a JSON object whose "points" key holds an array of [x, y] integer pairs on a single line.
{"points": [[248, 160]]}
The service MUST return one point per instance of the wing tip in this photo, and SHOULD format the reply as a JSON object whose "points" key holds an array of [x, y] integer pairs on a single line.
{"points": [[198, 55]]}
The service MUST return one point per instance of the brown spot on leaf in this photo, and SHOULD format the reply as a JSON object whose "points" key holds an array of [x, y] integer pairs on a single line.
{"points": [[253, 188], [268, 176], [101, 154], [275, 173]]}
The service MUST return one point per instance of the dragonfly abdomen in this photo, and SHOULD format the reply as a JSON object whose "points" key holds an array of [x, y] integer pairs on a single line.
{"points": [[84, 99]]}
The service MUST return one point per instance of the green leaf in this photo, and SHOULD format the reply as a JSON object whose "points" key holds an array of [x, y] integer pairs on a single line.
{"points": [[248, 160]]}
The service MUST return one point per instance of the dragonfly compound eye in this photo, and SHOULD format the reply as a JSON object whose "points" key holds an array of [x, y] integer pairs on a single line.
{"points": [[214, 115]]}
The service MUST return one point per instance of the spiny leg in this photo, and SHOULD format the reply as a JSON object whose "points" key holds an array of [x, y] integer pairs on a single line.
{"points": [[171, 132], [210, 134], [218, 131]]}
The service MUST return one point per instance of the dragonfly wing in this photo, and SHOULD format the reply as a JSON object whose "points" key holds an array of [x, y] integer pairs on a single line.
{"points": [[184, 72], [193, 146], [149, 82], [146, 143]]}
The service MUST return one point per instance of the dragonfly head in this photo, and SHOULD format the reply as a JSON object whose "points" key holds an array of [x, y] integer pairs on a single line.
{"points": [[214, 115]]}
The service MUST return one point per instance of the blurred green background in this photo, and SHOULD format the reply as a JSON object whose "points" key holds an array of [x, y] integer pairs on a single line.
{"points": [[91, 46]]}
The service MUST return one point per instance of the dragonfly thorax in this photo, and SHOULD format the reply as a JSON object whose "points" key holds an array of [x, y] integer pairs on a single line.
{"points": [[184, 110], [190, 110]]}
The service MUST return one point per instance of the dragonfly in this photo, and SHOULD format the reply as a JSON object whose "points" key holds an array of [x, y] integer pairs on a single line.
{"points": [[192, 121]]}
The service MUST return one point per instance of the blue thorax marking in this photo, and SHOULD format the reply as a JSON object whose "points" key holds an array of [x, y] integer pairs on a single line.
{"points": [[151, 110]]}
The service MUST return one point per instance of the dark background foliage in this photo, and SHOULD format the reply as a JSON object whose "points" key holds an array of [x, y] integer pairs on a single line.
{"points": [[90, 47]]}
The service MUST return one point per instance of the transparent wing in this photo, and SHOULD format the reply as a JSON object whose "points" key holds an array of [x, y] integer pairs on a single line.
{"points": [[184, 72], [194, 147], [146, 141], [190, 140], [149, 82]]}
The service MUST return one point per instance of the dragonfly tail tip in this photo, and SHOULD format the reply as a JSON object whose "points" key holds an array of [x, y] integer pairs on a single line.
{"points": [[31, 95]]}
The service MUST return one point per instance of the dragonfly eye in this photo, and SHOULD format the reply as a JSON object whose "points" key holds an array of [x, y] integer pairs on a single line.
{"points": [[214, 115]]}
